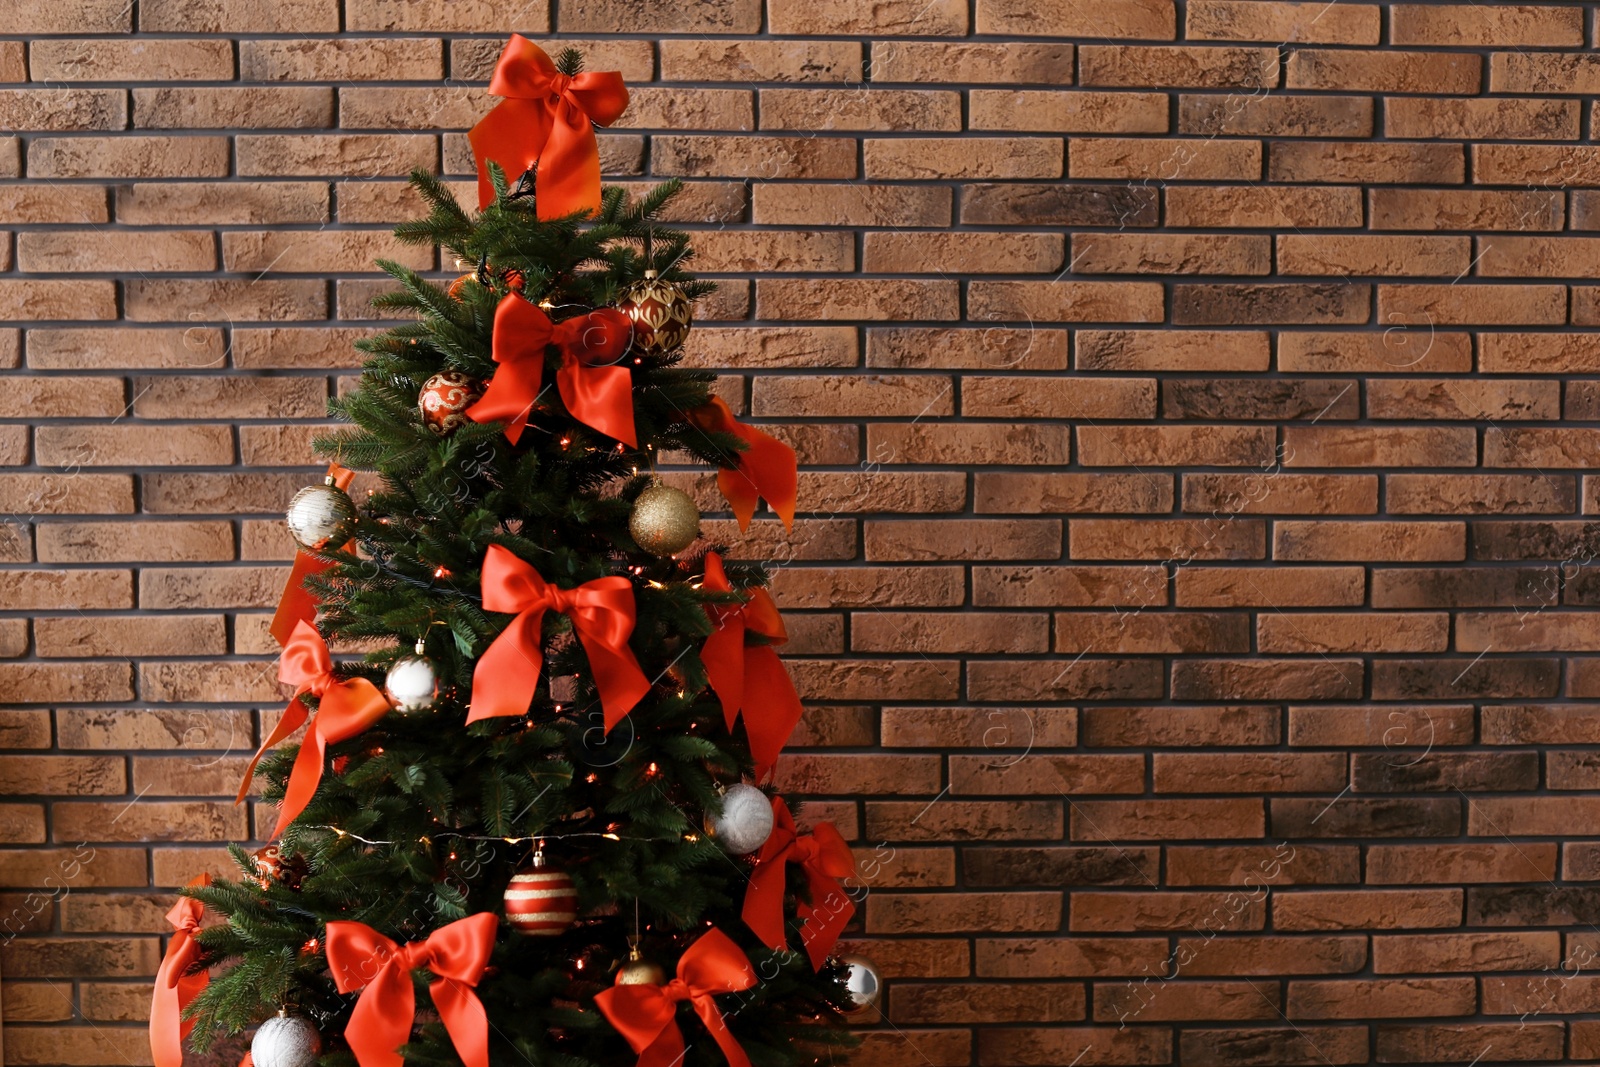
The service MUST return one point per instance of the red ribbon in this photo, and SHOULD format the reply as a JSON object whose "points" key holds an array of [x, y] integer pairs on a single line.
{"points": [[825, 858], [345, 708], [175, 987], [746, 675], [361, 958], [765, 469], [647, 1014], [595, 390], [602, 614], [546, 118], [297, 603]]}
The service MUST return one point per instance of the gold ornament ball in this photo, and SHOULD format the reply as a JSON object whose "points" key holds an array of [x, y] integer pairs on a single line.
{"points": [[321, 515], [661, 314], [664, 520], [640, 971]]}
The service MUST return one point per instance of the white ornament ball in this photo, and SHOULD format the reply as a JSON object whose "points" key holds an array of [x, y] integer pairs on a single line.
{"points": [[286, 1041], [745, 822], [321, 515], [412, 683], [864, 983]]}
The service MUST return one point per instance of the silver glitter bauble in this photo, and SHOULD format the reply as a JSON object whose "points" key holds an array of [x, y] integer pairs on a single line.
{"points": [[286, 1041], [321, 515], [412, 683], [745, 822], [664, 520], [864, 983]]}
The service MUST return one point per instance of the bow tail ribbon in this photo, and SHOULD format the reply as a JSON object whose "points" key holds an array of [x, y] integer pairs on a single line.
{"points": [[507, 674], [175, 988], [521, 332], [763, 899], [723, 657], [645, 1014], [601, 397], [765, 468], [362, 959], [830, 908], [769, 731], [347, 709]]}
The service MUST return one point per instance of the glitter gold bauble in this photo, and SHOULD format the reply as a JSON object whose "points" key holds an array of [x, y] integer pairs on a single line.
{"points": [[321, 515], [639, 971], [444, 401], [664, 520], [661, 314]]}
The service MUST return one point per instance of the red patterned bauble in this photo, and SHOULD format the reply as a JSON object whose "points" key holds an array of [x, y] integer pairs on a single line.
{"points": [[661, 314], [274, 868], [541, 899], [444, 401]]}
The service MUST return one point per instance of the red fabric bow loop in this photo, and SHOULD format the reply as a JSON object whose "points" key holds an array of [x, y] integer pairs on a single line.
{"points": [[362, 959], [596, 391], [547, 118], [175, 987], [767, 468], [646, 1015], [345, 708], [747, 676], [602, 614], [825, 858]]}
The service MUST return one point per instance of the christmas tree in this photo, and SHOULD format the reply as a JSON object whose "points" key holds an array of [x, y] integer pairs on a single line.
{"points": [[526, 828]]}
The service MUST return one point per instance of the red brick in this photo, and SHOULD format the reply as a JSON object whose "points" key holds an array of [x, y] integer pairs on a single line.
{"points": [[1373, 162], [1156, 820], [1506, 26], [967, 62], [1366, 909], [1465, 209], [1140, 19], [1381, 998], [1168, 159], [1478, 862]]}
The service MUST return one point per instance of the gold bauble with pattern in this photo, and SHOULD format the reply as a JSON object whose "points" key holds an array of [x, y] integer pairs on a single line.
{"points": [[660, 312]]}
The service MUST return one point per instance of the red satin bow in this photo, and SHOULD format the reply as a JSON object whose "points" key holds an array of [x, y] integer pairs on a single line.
{"points": [[766, 469], [647, 1014], [602, 614], [825, 858], [596, 392], [361, 958], [546, 118], [747, 676], [297, 602], [175, 987], [345, 708]]}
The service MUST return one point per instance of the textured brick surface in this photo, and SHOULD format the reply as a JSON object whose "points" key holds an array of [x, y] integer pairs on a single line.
{"points": [[1195, 580]]}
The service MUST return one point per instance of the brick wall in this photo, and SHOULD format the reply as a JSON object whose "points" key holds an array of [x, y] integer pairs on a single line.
{"points": [[1194, 401]]}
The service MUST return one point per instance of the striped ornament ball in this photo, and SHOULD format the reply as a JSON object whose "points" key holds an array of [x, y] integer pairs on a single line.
{"points": [[541, 900]]}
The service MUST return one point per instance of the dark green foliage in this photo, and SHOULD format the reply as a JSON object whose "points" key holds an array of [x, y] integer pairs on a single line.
{"points": [[423, 803]]}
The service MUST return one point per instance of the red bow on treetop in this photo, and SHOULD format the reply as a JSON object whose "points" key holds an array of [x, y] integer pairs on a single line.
{"points": [[546, 118], [647, 1014], [825, 858], [175, 987], [297, 603], [750, 676], [457, 953], [596, 392], [344, 709], [766, 469], [602, 614]]}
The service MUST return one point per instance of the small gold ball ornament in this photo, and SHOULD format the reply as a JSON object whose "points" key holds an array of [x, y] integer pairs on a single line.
{"points": [[664, 520], [321, 515], [661, 314], [640, 971]]}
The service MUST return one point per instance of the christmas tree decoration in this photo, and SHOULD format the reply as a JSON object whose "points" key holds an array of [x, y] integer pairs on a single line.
{"points": [[596, 391], [745, 821], [742, 673], [863, 982], [273, 868], [321, 515], [541, 899], [661, 314], [363, 960], [825, 858], [646, 1014], [444, 401], [546, 119], [457, 286], [637, 970], [345, 709], [765, 468], [664, 520], [412, 683], [602, 614], [286, 1041], [175, 986], [297, 603]]}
